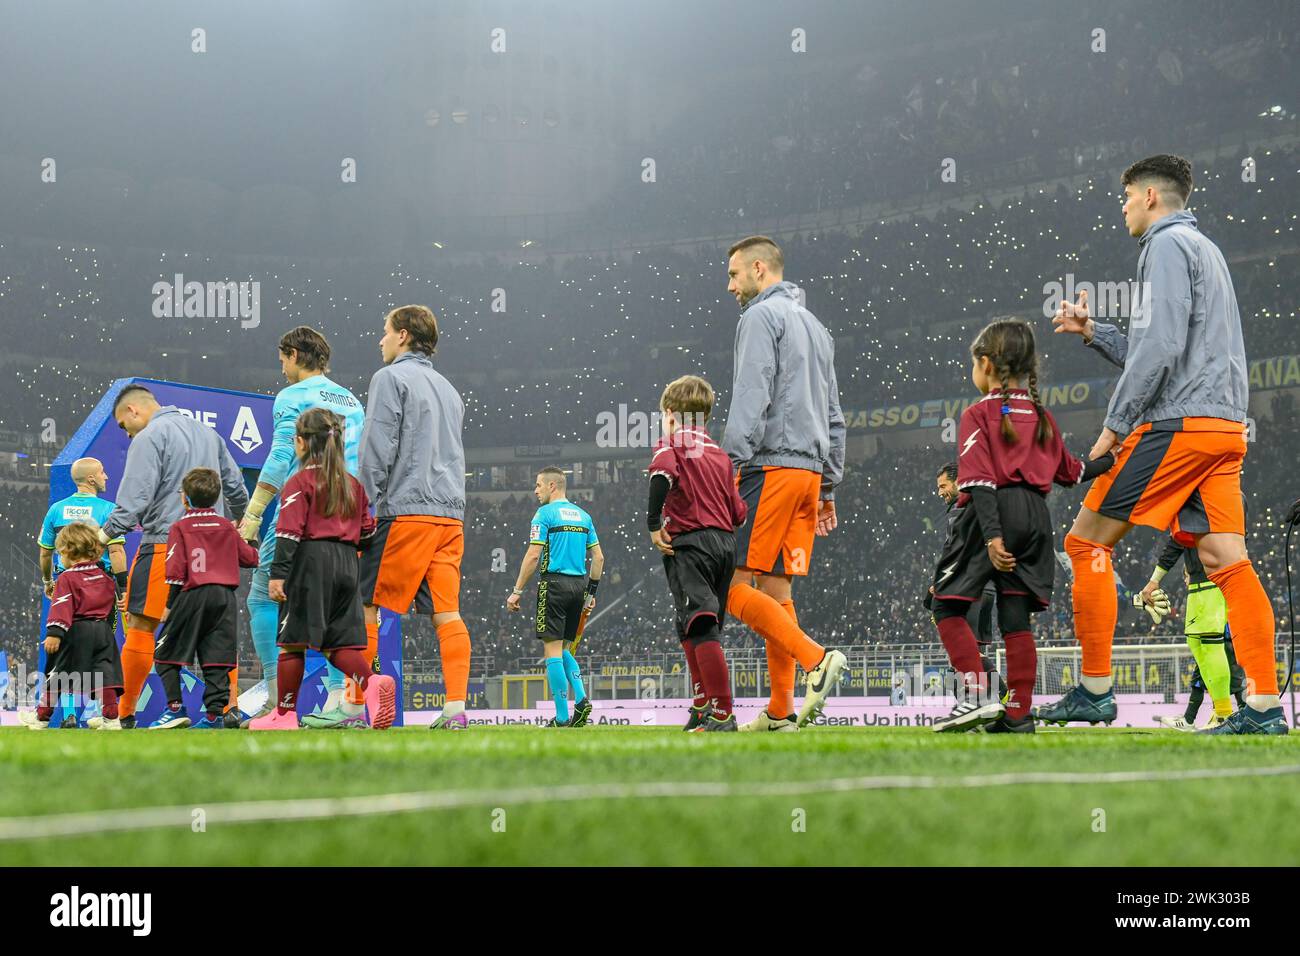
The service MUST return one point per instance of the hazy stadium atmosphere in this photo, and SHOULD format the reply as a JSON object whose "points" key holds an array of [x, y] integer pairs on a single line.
{"points": [[560, 183]]}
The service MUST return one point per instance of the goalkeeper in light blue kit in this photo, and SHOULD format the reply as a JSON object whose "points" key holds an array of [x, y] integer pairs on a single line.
{"points": [[304, 359]]}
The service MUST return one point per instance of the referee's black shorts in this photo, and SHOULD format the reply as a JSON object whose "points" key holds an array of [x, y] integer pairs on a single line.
{"points": [[559, 606]]}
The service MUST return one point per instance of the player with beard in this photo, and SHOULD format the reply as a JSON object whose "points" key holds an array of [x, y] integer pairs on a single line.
{"points": [[165, 446], [785, 436]]}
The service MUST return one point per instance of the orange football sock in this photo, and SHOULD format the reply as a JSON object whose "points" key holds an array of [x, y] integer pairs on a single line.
{"points": [[1096, 609], [372, 646], [352, 692], [453, 644], [1250, 618], [137, 662], [781, 672], [764, 615], [788, 606], [234, 689], [781, 675]]}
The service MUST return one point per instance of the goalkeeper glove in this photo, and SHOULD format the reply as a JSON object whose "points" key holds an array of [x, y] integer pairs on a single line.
{"points": [[1159, 606], [250, 528]]}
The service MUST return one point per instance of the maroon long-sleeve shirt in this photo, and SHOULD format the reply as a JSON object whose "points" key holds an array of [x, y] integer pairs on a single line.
{"points": [[702, 492], [299, 519], [204, 548], [986, 460], [83, 591]]}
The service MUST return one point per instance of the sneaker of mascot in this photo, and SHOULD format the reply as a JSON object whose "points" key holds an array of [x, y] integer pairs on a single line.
{"points": [[718, 725], [697, 717], [334, 720], [381, 701], [968, 714], [171, 720], [266, 709], [275, 721]]}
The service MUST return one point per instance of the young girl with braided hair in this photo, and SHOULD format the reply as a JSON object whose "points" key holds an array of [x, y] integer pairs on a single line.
{"points": [[1009, 453]]}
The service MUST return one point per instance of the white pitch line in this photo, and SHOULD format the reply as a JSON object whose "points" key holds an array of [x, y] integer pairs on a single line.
{"points": [[262, 811]]}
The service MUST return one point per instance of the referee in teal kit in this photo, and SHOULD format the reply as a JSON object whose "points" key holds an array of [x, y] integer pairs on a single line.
{"points": [[87, 507], [562, 536]]}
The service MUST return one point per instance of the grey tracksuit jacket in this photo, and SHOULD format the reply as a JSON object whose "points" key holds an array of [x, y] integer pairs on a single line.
{"points": [[412, 460], [785, 402], [156, 462], [1183, 356]]}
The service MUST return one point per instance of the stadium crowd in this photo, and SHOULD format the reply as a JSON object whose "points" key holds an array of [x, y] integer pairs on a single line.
{"points": [[877, 128], [580, 336]]}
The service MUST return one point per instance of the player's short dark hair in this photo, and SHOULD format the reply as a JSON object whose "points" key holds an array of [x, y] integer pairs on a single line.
{"points": [[690, 396], [1171, 174], [132, 393], [761, 247], [312, 348], [202, 486], [949, 469], [420, 322], [556, 475], [79, 541]]}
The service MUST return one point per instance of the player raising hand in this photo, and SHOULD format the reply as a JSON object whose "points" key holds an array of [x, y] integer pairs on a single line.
{"points": [[1177, 417]]}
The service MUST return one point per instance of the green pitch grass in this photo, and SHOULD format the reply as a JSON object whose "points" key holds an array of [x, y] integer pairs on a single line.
{"points": [[1244, 821]]}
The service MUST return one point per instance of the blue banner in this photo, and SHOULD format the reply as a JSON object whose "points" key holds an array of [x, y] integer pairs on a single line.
{"points": [[432, 695]]}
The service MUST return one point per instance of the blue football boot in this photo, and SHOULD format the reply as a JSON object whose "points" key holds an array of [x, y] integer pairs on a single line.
{"points": [[1248, 720], [1079, 706]]}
